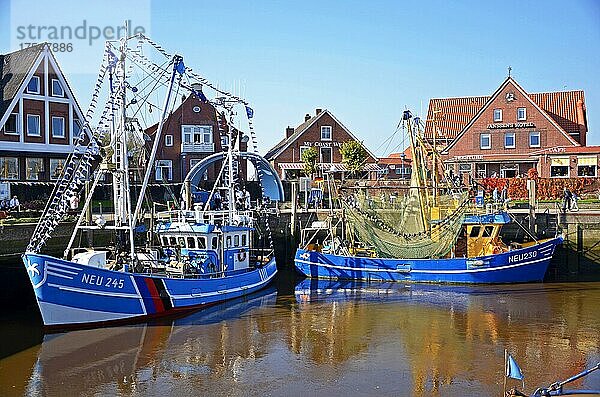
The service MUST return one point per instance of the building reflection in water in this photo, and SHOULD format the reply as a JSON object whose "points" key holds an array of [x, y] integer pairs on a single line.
{"points": [[356, 339]]}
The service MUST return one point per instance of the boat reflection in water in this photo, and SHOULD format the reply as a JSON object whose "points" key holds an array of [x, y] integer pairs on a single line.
{"points": [[330, 338], [452, 337]]}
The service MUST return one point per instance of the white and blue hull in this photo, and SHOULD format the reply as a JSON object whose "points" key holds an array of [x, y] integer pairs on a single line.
{"points": [[517, 266], [72, 294]]}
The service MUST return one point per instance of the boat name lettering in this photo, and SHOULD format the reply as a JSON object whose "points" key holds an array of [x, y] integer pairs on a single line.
{"points": [[99, 280], [510, 125], [522, 257]]}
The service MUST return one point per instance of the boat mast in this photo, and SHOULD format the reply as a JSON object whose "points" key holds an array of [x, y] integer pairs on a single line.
{"points": [[231, 191], [416, 155]]}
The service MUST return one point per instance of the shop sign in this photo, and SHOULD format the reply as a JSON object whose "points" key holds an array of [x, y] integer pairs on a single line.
{"points": [[510, 125], [469, 157]]}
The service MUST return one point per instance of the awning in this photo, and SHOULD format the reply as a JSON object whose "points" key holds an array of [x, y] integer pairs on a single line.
{"points": [[560, 162], [335, 167], [587, 160]]}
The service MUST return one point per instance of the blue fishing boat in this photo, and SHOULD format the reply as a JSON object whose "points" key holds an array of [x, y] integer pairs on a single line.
{"points": [[432, 234], [196, 255]]}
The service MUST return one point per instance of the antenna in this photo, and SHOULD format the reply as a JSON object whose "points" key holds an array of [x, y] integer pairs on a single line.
{"points": [[509, 70]]}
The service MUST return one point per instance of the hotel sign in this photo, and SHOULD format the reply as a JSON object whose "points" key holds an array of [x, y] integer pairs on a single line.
{"points": [[323, 144], [510, 125], [469, 157]]}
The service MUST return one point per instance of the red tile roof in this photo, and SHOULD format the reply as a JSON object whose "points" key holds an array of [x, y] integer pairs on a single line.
{"points": [[455, 113]]}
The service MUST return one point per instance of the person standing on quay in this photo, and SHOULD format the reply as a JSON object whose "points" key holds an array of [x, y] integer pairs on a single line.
{"points": [[566, 199]]}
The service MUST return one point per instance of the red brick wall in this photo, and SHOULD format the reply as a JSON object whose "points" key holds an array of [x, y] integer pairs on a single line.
{"points": [[313, 136]]}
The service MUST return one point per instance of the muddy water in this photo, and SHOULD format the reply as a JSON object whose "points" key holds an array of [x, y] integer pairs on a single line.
{"points": [[325, 339]]}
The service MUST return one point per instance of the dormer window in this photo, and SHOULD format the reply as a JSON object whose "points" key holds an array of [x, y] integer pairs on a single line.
{"points": [[521, 114], [326, 133], [57, 89], [497, 115], [34, 85]]}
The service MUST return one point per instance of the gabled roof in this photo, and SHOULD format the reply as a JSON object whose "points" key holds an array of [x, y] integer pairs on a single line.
{"points": [[282, 145], [14, 68], [455, 113], [510, 80]]}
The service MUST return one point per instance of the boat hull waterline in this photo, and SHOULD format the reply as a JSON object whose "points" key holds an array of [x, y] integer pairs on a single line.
{"points": [[522, 265], [71, 294]]}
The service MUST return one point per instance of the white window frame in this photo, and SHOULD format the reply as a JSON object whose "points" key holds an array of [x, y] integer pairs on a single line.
{"points": [[38, 85], [323, 129], [62, 120], [168, 140], [514, 140], [302, 150], [201, 130], [17, 120], [497, 115], [535, 133], [159, 166], [62, 90], [39, 126], [519, 117], [321, 154], [489, 137]]}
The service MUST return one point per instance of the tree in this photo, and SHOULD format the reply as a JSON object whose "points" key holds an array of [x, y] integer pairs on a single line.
{"points": [[354, 156], [309, 158]]}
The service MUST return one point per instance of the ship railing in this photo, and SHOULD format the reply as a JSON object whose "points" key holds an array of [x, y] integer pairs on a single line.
{"points": [[208, 217]]}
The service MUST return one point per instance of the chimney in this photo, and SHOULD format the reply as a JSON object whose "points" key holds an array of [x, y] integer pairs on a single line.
{"points": [[307, 117], [289, 131], [581, 120], [318, 111]]}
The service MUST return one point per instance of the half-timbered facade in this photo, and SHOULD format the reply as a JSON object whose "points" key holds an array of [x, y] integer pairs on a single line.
{"points": [[39, 117]]}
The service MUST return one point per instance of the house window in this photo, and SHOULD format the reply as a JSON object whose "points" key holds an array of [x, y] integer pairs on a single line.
{"points": [[559, 167], [481, 170], [509, 140], [326, 155], [587, 165], [497, 114], [58, 127], [76, 130], [11, 125], [534, 139], [521, 114], [34, 168], [56, 168], [465, 168], [326, 133], [33, 87], [33, 125], [485, 141], [168, 140], [197, 134], [302, 150], [9, 168], [57, 89], [193, 162], [164, 170]]}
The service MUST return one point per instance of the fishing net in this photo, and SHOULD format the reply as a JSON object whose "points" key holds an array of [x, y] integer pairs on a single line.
{"points": [[394, 227]]}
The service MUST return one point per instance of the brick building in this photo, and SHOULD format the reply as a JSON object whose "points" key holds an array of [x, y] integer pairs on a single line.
{"points": [[322, 131], [191, 132], [396, 166], [509, 132], [39, 117]]}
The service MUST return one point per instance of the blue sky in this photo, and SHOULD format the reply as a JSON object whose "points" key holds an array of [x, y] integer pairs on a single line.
{"points": [[364, 61]]}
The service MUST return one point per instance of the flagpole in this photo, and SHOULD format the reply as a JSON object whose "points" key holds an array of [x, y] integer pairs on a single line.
{"points": [[505, 361]]}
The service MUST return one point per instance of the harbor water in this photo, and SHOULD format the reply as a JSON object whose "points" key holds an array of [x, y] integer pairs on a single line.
{"points": [[308, 338]]}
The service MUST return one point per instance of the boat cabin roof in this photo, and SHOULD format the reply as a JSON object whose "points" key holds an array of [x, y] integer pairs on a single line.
{"points": [[498, 218]]}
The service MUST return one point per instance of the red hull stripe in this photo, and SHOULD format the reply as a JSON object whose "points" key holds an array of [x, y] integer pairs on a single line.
{"points": [[158, 305]]}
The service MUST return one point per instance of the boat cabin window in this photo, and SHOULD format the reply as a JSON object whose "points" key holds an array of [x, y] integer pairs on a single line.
{"points": [[191, 242], [173, 241], [475, 231], [201, 242], [228, 241], [244, 240], [181, 241], [487, 231], [215, 242], [165, 240], [236, 240]]}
